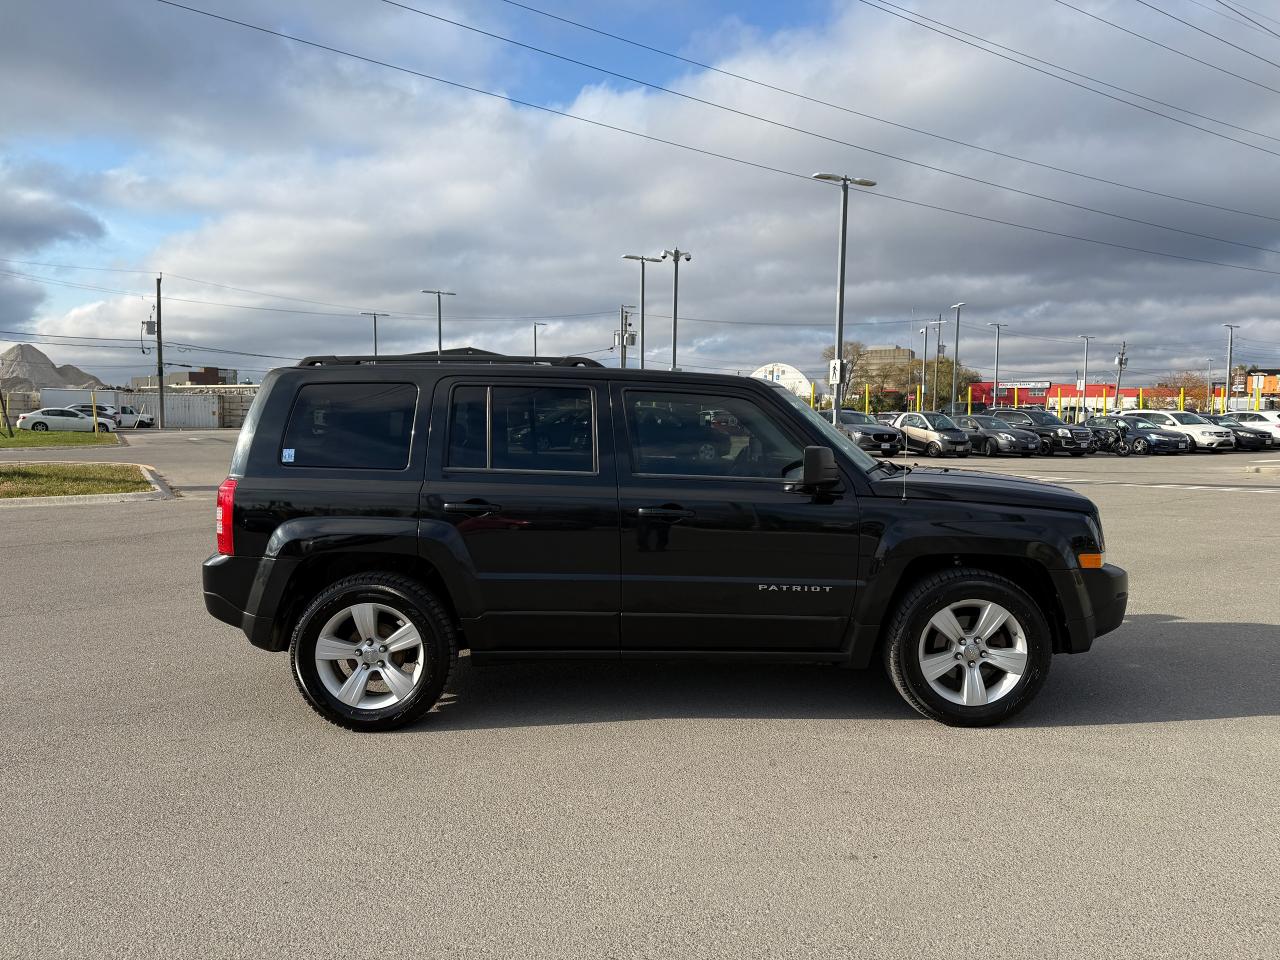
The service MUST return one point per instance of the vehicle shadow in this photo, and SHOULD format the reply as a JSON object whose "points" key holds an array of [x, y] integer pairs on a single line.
{"points": [[1153, 669]]}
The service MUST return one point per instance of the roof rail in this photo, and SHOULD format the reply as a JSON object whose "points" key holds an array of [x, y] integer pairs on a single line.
{"points": [[467, 355]]}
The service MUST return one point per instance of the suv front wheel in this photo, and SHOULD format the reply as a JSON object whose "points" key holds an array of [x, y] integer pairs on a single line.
{"points": [[968, 648], [373, 651]]}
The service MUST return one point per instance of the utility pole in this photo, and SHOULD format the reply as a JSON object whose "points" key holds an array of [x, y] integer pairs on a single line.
{"points": [[937, 355], [643, 261], [995, 381], [1122, 361], [955, 357], [623, 336], [159, 361], [1231, 337], [439, 320], [676, 256], [375, 327], [1084, 378]]}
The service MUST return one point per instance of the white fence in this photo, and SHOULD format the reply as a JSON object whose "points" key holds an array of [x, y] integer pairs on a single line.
{"points": [[182, 410]]}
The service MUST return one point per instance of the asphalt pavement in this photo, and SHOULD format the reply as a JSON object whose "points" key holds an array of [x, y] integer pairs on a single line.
{"points": [[167, 792]]}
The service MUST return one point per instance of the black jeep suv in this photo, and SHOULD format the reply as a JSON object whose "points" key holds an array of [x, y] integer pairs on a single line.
{"points": [[1054, 433], [383, 512]]}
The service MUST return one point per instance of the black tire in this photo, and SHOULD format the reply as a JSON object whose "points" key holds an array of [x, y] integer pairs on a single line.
{"points": [[424, 611], [934, 449], [918, 606], [39, 426], [1141, 447], [1046, 447], [1122, 449], [992, 448], [1192, 446]]}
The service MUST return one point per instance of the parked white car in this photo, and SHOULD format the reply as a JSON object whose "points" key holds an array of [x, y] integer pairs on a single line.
{"points": [[104, 410], [133, 417], [1268, 420], [57, 418], [1202, 434]]}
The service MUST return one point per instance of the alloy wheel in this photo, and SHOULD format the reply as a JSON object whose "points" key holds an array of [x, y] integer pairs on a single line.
{"points": [[972, 652], [369, 656]]}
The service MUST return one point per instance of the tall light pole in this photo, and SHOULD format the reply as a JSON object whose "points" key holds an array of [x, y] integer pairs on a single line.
{"points": [[439, 318], [369, 313], [924, 361], [1122, 361], [844, 182], [1084, 378], [536, 325], [937, 356], [643, 260], [955, 356], [995, 382], [1208, 386], [1231, 342], [676, 256]]}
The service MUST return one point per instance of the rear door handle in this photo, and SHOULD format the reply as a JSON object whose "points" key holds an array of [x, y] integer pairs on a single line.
{"points": [[472, 508], [665, 513]]}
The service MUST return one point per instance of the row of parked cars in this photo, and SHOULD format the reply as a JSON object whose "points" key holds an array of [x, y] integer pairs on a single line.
{"points": [[79, 418], [1028, 431]]}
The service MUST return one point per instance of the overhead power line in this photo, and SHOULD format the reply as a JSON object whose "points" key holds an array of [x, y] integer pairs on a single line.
{"points": [[1207, 33], [702, 151], [820, 136], [869, 116], [903, 15], [1237, 12], [1165, 46]]}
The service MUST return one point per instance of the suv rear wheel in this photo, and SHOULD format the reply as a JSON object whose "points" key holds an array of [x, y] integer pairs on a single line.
{"points": [[968, 648], [373, 651]]}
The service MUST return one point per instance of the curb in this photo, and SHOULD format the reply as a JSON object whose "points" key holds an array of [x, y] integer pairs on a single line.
{"points": [[159, 489]]}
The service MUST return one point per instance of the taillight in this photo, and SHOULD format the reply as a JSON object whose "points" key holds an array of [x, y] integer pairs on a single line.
{"points": [[225, 516]]}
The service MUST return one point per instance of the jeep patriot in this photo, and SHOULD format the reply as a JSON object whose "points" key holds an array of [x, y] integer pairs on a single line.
{"points": [[382, 513]]}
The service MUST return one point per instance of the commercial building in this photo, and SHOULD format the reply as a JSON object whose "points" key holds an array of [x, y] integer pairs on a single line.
{"points": [[877, 360], [790, 377], [203, 377]]}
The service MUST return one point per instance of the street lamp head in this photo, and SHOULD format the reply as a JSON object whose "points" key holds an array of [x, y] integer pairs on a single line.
{"points": [[957, 306], [841, 178], [441, 293], [538, 323], [637, 256]]}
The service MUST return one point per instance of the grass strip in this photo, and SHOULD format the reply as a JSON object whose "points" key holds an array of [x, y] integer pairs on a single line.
{"points": [[69, 479]]}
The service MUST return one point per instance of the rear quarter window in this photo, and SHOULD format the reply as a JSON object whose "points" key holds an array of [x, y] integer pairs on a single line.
{"points": [[356, 426]]}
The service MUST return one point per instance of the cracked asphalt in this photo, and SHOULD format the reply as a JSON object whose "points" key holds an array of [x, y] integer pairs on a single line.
{"points": [[167, 792]]}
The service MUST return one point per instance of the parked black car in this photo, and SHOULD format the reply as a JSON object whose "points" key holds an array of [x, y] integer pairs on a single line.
{"points": [[1246, 437], [382, 513], [870, 434], [1054, 434], [994, 437], [1143, 436]]}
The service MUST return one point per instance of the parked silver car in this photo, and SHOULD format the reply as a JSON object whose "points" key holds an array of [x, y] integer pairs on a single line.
{"points": [[934, 433]]}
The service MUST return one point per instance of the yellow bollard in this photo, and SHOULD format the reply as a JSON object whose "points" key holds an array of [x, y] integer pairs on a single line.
{"points": [[1182, 398], [969, 409], [1257, 394], [1139, 398], [1059, 403], [93, 402], [1015, 397], [813, 389], [866, 400]]}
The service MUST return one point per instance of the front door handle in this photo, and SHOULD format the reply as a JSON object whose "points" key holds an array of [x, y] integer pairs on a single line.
{"points": [[472, 508], [671, 514]]}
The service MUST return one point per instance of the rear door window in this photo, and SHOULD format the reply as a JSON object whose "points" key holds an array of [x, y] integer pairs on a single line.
{"points": [[359, 426], [522, 428]]}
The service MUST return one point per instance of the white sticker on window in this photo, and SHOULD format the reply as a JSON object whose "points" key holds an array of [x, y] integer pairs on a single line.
{"points": [[286, 455]]}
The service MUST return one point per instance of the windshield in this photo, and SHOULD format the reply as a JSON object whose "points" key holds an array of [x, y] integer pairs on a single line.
{"points": [[830, 434], [939, 421], [1145, 424], [1044, 418], [1187, 418], [853, 418], [990, 423]]}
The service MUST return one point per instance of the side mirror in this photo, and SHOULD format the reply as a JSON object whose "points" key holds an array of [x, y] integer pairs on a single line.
{"points": [[819, 471]]}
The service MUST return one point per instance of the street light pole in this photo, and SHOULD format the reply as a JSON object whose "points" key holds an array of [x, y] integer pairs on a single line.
{"points": [[844, 181], [643, 261], [955, 356], [439, 318], [1231, 337], [995, 383], [536, 325], [924, 367], [1084, 379], [676, 256], [937, 356], [375, 327], [1208, 386]]}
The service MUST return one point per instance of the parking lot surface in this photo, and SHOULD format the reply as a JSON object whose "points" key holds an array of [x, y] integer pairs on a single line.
{"points": [[168, 793]]}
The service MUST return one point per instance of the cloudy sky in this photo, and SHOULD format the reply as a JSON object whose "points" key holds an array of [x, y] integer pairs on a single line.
{"points": [[138, 137]]}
